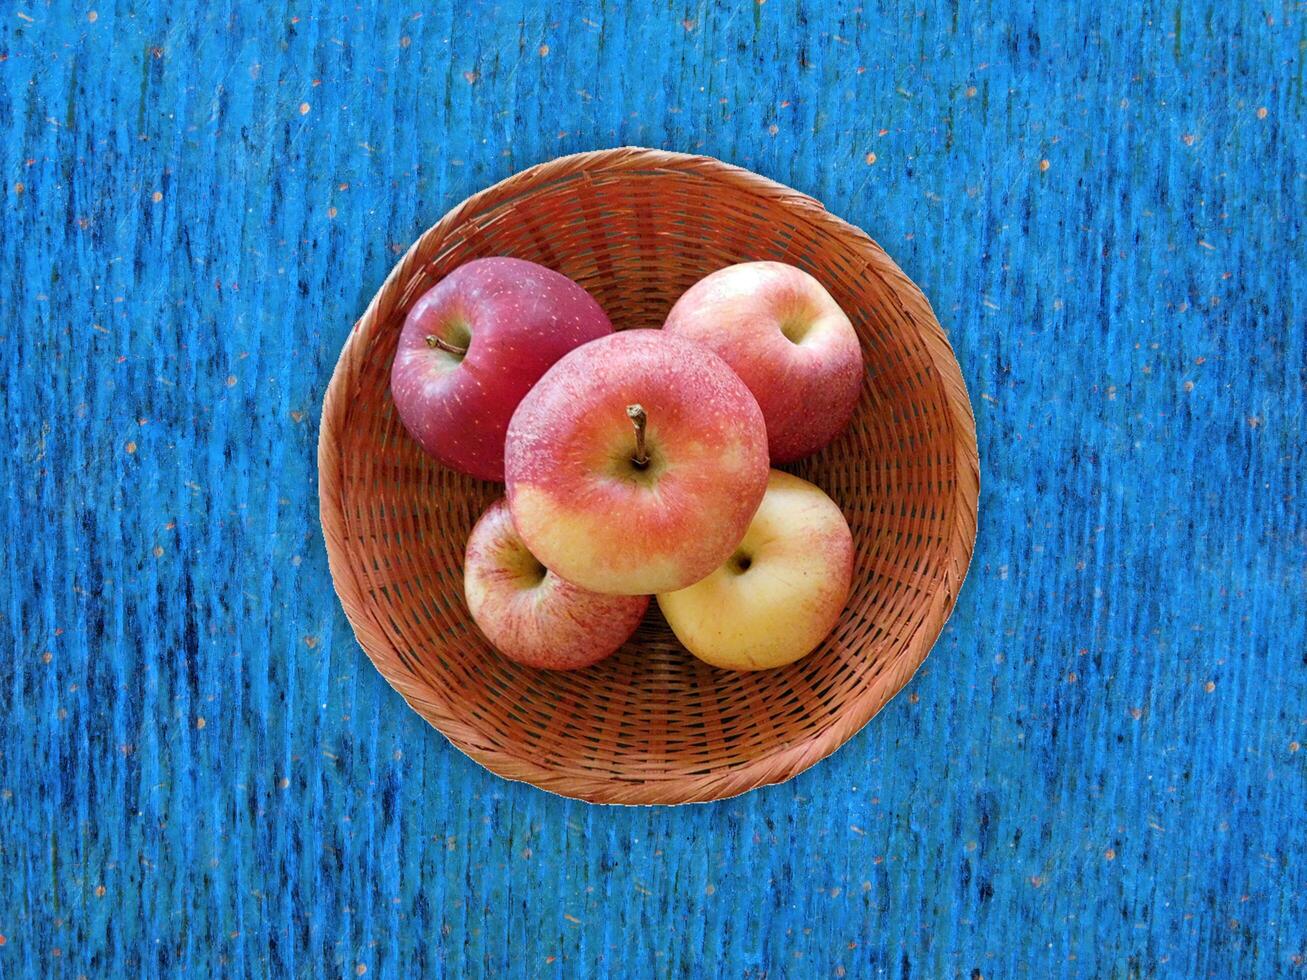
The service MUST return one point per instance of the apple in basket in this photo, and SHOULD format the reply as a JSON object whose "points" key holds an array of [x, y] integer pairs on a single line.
{"points": [[785, 336], [474, 344], [781, 591], [636, 463], [529, 613]]}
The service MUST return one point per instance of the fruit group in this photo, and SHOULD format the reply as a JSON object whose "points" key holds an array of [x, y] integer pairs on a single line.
{"points": [[779, 593], [529, 613], [636, 463], [474, 344], [782, 333]]}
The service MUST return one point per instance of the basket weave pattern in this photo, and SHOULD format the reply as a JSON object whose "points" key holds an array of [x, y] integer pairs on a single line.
{"points": [[651, 724]]}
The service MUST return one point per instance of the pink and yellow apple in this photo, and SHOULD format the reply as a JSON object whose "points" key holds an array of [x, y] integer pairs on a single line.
{"points": [[779, 593], [529, 613], [636, 463], [783, 334], [474, 344]]}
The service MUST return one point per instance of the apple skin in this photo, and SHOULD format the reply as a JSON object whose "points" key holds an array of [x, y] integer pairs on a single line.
{"points": [[582, 504], [515, 319], [782, 333], [781, 591], [529, 613]]}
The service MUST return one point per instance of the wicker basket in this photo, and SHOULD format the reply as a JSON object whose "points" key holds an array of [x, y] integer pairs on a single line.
{"points": [[651, 724]]}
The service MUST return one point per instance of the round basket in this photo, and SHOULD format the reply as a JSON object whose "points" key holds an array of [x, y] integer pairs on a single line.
{"points": [[651, 724]]}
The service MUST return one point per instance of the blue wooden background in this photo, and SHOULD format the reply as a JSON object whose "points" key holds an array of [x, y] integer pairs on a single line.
{"points": [[1099, 772]]}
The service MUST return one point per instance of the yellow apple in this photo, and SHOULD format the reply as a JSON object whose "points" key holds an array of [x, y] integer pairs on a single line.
{"points": [[781, 591]]}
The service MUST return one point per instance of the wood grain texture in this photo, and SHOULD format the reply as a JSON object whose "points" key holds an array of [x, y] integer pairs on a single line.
{"points": [[1099, 771]]}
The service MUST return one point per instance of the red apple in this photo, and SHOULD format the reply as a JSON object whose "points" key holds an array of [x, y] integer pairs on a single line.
{"points": [[635, 463], [529, 613], [474, 344], [780, 331]]}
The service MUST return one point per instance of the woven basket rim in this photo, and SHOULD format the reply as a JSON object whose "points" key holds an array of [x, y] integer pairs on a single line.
{"points": [[769, 768]]}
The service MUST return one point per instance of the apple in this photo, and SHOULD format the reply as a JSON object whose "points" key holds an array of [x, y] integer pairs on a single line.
{"points": [[474, 344], [779, 330], [529, 613], [635, 464], [779, 593]]}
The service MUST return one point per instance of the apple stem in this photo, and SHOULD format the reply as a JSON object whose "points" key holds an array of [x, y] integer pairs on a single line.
{"points": [[638, 418], [438, 344]]}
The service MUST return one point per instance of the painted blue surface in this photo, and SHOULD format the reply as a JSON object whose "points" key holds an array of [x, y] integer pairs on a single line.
{"points": [[1099, 771]]}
